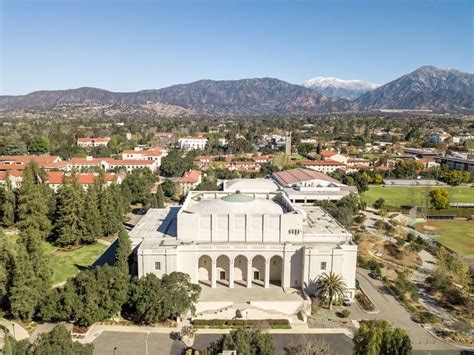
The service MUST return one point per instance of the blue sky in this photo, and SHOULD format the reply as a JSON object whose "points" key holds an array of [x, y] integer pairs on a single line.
{"points": [[142, 44]]}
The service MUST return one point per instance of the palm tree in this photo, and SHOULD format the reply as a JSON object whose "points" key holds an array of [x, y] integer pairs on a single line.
{"points": [[331, 286]]}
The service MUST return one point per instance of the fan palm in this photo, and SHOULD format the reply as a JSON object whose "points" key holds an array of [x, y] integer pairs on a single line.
{"points": [[331, 286]]}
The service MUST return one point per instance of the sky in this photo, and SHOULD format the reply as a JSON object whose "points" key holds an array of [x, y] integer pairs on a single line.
{"points": [[130, 45]]}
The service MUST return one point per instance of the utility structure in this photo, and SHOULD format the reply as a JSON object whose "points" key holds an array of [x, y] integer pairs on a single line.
{"points": [[288, 146]]}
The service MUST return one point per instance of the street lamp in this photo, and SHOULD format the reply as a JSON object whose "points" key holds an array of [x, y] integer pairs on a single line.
{"points": [[115, 349], [14, 335]]}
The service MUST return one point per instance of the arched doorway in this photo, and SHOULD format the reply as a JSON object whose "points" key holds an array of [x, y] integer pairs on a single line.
{"points": [[204, 269], [276, 270], [258, 270], [240, 270], [222, 266]]}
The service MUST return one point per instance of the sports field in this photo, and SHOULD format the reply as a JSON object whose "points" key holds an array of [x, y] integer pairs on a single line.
{"points": [[414, 196], [456, 235]]}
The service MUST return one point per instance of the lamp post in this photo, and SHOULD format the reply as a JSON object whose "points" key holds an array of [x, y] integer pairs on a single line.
{"points": [[14, 334], [115, 349]]}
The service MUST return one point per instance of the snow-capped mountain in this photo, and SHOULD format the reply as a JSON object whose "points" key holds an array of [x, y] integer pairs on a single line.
{"points": [[340, 89]]}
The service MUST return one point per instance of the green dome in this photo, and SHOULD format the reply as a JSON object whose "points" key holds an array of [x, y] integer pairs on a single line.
{"points": [[238, 197]]}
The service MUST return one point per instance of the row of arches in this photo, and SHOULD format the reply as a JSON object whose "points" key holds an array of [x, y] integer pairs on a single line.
{"points": [[241, 270]]}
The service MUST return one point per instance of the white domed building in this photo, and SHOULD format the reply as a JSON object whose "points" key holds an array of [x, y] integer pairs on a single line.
{"points": [[245, 240]]}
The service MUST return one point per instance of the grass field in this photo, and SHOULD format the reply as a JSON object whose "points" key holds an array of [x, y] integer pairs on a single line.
{"points": [[408, 196], [456, 235], [67, 263]]}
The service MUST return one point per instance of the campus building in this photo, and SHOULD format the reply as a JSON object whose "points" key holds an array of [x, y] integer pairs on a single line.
{"points": [[247, 240]]}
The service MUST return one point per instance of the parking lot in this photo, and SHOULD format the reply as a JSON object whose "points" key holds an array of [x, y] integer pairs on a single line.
{"points": [[126, 343]]}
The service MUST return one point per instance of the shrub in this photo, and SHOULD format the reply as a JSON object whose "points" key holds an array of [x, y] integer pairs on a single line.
{"points": [[345, 313]]}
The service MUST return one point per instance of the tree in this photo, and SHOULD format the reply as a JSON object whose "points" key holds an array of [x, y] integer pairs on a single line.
{"points": [[207, 184], [244, 341], [146, 299], [123, 251], [100, 294], [70, 226], [31, 277], [40, 145], [169, 188], [92, 221], [174, 164], [153, 300], [160, 198], [330, 286], [379, 337], [439, 198], [59, 341], [8, 205], [307, 346], [35, 200], [184, 293]]}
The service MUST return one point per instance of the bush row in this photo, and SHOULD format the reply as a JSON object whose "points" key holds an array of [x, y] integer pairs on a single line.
{"points": [[241, 323]]}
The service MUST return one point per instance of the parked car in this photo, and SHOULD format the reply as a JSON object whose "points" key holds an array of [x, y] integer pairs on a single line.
{"points": [[346, 301]]}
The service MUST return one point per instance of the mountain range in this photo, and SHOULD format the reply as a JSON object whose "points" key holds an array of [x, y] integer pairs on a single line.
{"points": [[340, 89], [427, 88]]}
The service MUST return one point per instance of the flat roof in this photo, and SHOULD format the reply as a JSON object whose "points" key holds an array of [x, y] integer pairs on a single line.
{"points": [[318, 221], [158, 223]]}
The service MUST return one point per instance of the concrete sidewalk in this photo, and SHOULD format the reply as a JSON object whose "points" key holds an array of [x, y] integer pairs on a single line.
{"points": [[15, 329]]}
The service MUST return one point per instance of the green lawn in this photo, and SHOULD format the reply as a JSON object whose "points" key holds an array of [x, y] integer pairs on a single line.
{"points": [[406, 196], [456, 235], [67, 263]]}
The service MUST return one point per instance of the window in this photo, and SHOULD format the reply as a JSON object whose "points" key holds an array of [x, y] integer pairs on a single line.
{"points": [[323, 265], [157, 265]]}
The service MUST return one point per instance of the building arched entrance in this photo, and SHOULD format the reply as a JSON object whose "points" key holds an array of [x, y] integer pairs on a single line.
{"points": [[240, 270], [276, 270], [204, 269], [222, 269], [258, 270]]}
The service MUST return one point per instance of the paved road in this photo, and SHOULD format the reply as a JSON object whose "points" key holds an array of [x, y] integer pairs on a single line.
{"points": [[391, 310]]}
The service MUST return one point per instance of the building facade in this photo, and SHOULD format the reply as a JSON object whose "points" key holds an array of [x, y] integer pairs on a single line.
{"points": [[249, 240]]}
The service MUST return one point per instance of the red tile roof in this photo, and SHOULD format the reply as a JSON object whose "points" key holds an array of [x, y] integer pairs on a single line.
{"points": [[56, 178], [190, 177], [328, 153]]}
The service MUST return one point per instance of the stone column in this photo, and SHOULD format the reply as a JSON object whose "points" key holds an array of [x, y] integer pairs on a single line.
{"points": [[213, 273], [231, 273], [249, 273], [267, 274]]}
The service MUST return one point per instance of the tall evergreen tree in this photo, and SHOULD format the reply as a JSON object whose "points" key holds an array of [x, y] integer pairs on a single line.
{"points": [[91, 217], [8, 206], [107, 211], [123, 251], [34, 202], [30, 278], [160, 198], [69, 227]]}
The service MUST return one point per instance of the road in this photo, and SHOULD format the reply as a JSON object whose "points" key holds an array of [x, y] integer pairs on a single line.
{"points": [[391, 310]]}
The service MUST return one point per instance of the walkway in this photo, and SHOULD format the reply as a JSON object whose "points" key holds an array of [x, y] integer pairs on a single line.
{"points": [[15, 329], [391, 310]]}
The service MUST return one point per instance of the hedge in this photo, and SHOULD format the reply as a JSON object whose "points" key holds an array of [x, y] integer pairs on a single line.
{"points": [[240, 323]]}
